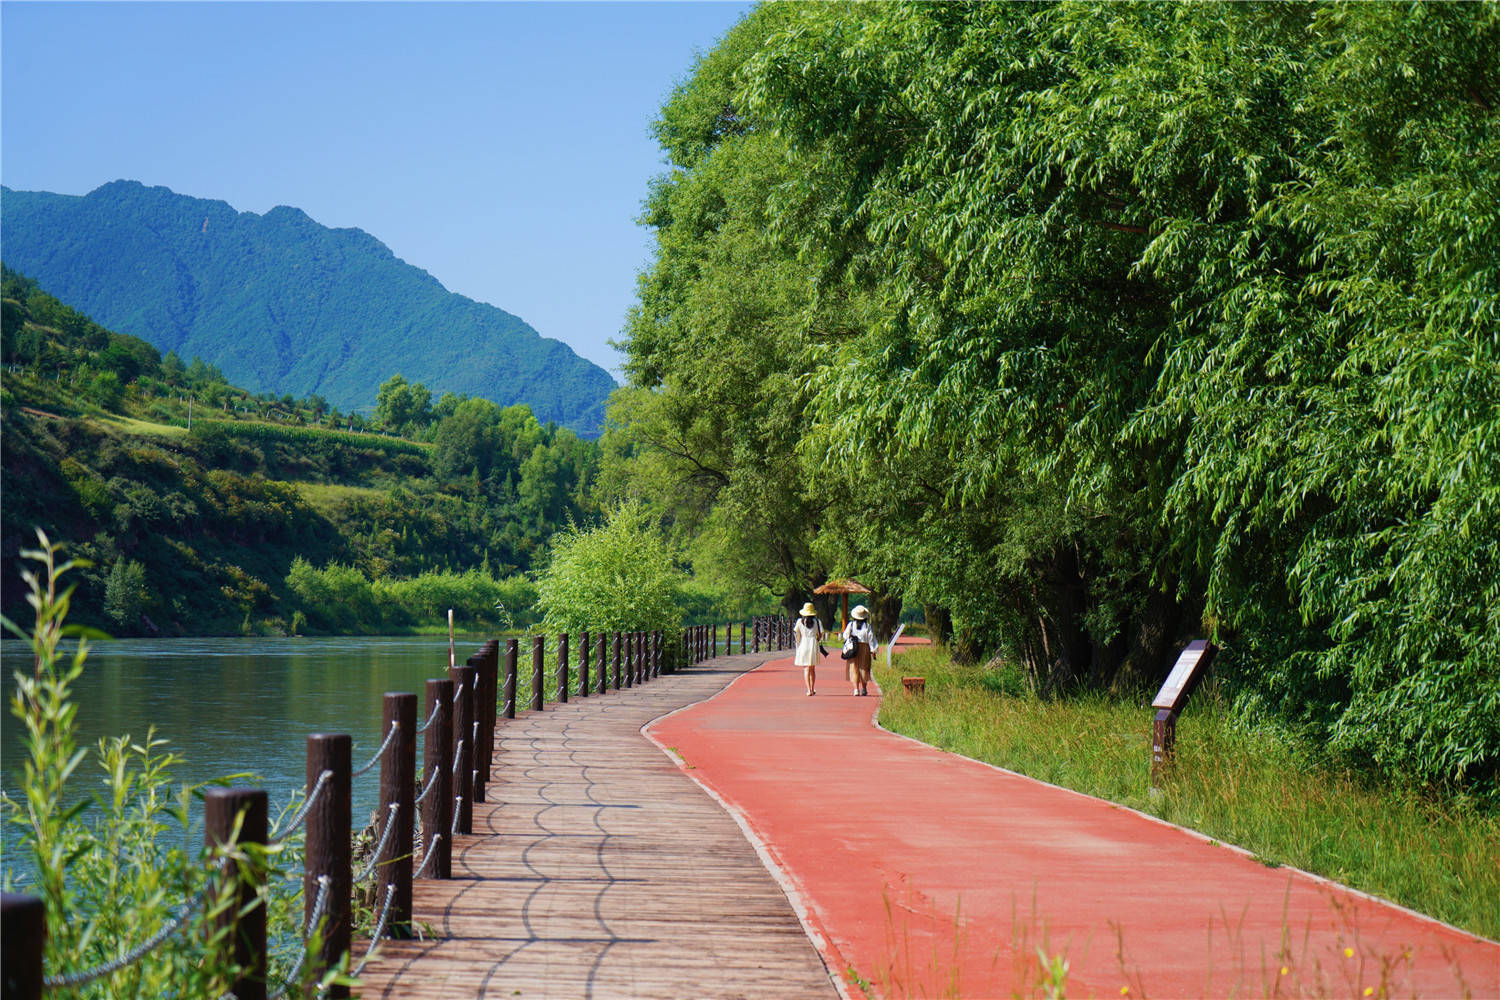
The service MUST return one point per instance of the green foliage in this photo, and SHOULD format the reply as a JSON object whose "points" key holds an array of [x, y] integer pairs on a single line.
{"points": [[341, 599], [125, 593], [194, 531], [109, 880], [1107, 331], [284, 305], [617, 577]]}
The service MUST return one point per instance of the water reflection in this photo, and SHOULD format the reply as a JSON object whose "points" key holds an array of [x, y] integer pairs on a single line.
{"points": [[231, 705]]}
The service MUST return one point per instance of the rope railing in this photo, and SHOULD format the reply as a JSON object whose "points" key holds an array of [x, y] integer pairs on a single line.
{"points": [[385, 910], [430, 719], [385, 838], [71, 979], [389, 736], [301, 816], [432, 847], [431, 782]]}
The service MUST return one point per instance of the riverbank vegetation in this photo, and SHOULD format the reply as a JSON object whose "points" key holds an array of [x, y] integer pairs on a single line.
{"points": [[132, 908], [1094, 329], [207, 510], [1286, 800]]}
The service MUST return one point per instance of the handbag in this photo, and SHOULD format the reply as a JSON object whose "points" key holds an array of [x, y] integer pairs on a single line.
{"points": [[851, 648]]}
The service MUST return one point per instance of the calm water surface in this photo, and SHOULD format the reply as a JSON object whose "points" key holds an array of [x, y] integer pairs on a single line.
{"points": [[232, 705]]}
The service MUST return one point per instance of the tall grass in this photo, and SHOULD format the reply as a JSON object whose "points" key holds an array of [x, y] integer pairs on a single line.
{"points": [[1256, 789]]}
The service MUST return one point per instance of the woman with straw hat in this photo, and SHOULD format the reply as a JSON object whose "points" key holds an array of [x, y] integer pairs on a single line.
{"points": [[859, 647], [808, 631]]}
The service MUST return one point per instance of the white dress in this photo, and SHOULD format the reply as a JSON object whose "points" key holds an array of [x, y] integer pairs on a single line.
{"points": [[807, 642]]}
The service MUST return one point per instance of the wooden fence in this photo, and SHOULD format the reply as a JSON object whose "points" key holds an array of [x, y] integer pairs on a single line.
{"points": [[462, 711]]}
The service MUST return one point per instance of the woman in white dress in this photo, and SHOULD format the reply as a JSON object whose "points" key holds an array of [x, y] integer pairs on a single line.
{"points": [[808, 632], [865, 647]]}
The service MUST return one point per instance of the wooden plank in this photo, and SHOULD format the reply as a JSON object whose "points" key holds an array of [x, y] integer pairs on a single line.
{"points": [[596, 869]]}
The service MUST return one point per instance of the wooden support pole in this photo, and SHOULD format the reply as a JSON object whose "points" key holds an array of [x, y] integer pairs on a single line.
{"points": [[488, 662], [601, 662], [538, 654], [463, 746], [583, 664], [511, 652], [617, 661], [23, 938], [231, 817], [656, 652], [398, 779], [437, 771], [329, 852], [629, 658]]}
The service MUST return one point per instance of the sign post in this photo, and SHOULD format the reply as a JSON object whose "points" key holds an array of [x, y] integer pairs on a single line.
{"points": [[1185, 675]]}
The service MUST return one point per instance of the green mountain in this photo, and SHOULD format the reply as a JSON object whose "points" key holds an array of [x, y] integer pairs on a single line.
{"points": [[284, 305]]}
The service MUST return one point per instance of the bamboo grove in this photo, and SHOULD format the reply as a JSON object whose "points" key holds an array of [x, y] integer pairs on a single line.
{"points": [[1093, 327]]}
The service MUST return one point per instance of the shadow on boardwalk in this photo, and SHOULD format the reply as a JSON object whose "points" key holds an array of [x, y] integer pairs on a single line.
{"points": [[598, 869]]}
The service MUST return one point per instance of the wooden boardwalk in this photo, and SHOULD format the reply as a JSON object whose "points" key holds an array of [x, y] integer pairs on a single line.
{"points": [[597, 869]]}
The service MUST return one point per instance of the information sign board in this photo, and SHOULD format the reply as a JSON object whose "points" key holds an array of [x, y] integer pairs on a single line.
{"points": [[1184, 676]]}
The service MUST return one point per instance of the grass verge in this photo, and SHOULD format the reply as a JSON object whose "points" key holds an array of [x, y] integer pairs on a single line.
{"points": [[1253, 789]]}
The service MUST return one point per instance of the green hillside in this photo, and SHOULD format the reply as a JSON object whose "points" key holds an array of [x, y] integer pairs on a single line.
{"points": [[206, 509], [285, 305]]}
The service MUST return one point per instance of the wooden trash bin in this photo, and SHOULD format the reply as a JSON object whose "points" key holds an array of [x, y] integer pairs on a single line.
{"points": [[914, 685]]}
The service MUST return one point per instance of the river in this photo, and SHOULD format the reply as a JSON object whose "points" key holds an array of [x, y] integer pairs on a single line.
{"points": [[235, 705]]}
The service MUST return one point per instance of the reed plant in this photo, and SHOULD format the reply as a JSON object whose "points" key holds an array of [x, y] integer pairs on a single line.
{"points": [[1263, 790], [133, 907]]}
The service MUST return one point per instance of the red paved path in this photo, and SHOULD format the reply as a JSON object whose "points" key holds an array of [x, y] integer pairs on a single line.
{"points": [[933, 875]]}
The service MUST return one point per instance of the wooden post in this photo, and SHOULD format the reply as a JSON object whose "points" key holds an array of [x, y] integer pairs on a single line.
{"points": [[617, 661], [601, 666], [755, 634], [245, 915], [487, 662], [328, 852], [23, 938], [437, 763], [538, 681], [463, 746], [398, 777], [562, 668], [656, 652], [743, 648], [629, 658], [583, 664], [511, 646]]}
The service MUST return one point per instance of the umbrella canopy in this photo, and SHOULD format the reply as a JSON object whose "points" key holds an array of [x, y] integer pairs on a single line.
{"points": [[844, 587]]}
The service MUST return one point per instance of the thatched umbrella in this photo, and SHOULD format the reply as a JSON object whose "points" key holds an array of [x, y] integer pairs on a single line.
{"points": [[845, 587]]}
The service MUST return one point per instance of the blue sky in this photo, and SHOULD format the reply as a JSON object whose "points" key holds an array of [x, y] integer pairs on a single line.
{"points": [[503, 147]]}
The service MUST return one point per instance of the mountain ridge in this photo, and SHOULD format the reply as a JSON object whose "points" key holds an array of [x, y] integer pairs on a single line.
{"points": [[284, 304]]}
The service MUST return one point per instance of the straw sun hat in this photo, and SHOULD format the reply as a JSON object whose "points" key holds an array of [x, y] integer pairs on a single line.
{"points": [[860, 612], [808, 611]]}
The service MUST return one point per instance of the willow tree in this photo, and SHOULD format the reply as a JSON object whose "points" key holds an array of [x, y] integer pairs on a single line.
{"points": [[718, 347], [1184, 312]]}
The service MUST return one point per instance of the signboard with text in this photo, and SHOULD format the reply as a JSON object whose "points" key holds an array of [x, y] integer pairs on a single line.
{"points": [[1185, 675]]}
